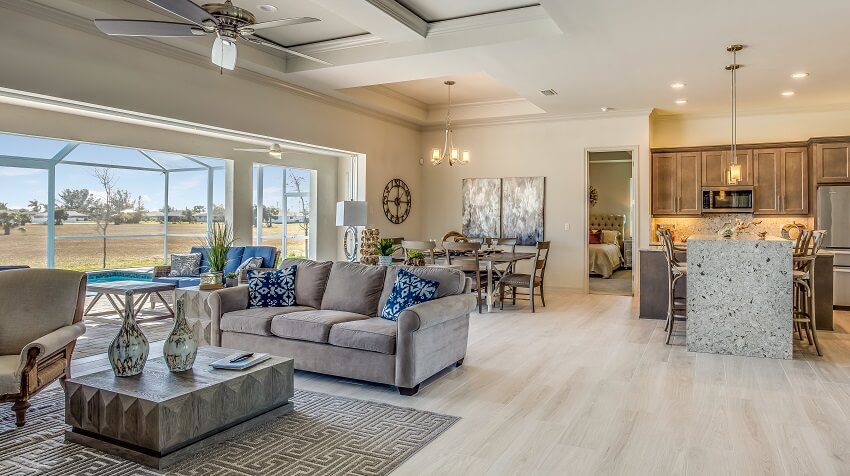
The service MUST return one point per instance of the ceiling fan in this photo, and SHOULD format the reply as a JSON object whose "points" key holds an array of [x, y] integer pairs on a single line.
{"points": [[273, 150], [226, 20]]}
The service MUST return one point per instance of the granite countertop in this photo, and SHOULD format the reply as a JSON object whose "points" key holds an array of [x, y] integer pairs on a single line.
{"points": [[737, 238]]}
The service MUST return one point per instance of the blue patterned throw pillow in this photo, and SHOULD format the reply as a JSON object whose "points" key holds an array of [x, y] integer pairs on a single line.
{"points": [[272, 289], [408, 290]]}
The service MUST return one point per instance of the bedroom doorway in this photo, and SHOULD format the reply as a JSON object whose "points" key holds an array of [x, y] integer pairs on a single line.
{"points": [[611, 212]]}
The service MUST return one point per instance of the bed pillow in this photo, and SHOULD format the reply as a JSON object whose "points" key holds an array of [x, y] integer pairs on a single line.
{"points": [[610, 236], [595, 237]]}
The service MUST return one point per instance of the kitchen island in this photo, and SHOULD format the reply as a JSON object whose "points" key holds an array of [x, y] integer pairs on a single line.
{"points": [[739, 296]]}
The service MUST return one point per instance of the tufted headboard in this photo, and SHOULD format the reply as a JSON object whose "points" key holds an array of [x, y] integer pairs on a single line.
{"points": [[608, 222]]}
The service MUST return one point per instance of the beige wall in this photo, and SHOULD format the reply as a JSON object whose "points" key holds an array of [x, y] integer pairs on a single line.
{"points": [[63, 62], [553, 149], [683, 131], [611, 180]]}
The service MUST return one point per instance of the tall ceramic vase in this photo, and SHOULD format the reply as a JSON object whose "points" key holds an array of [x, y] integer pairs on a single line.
{"points": [[129, 350], [181, 347]]}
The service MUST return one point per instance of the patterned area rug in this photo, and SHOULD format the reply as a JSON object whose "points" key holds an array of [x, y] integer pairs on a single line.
{"points": [[324, 435], [101, 330]]}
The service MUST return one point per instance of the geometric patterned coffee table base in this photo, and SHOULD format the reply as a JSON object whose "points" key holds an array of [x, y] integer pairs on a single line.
{"points": [[158, 418]]}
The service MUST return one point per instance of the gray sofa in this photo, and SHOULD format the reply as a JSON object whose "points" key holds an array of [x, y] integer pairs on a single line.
{"points": [[334, 329]]}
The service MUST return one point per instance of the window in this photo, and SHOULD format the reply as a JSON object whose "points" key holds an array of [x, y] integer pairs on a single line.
{"points": [[282, 208]]}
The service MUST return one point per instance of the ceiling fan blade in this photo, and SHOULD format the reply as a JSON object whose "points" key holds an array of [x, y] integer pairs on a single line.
{"points": [[264, 42], [224, 53], [276, 23], [148, 28], [187, 10]]}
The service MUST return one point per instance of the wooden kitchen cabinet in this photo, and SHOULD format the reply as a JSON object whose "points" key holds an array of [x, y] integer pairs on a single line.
{"points": [[832, 162], [677, 183], [715, 164], [781, 181]]}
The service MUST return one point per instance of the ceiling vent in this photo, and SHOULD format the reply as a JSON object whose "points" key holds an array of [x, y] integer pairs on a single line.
{"points": [[549, 92]]}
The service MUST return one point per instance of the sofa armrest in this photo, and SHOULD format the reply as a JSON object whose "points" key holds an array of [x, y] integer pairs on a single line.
{"points": [[431, 313], [161, 271], [221, 302], [52, 342]]}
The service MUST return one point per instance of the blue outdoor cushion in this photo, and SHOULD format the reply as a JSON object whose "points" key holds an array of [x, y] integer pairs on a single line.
{"points": [[234, 258], [265, 252], [272, 289], [408, 290], [180, 282]]}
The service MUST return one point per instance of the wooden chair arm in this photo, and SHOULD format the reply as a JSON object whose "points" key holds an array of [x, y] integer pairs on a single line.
{"points": [[161, 271]]}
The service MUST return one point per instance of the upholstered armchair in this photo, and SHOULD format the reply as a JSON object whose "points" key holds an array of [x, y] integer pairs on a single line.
{"points": [[41, 312]]}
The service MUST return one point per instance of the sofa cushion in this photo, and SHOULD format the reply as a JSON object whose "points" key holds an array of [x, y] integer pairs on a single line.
{"points": [[255, 320], [268, 254], [185, 264], [408, 290], [310, 281], [313, 326], [180, 282], [234, 258], [354, 287], [373, 334], [271, 289], [452, 281]]}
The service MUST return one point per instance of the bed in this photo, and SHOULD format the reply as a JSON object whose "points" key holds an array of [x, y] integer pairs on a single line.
{"points": [[605, 258]]}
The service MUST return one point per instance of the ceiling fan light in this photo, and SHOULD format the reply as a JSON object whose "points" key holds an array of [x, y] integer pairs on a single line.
{"points": [[224, 53]]}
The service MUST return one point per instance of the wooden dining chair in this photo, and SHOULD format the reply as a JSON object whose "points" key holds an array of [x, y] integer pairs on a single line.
{"points": [[531, 281], [425, 247], [466, 257]]}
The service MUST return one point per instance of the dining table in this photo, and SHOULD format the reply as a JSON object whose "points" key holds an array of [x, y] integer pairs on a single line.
{"points": [[491, 260]]}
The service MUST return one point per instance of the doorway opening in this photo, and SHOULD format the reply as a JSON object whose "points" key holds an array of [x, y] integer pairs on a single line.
{"points": [[611, 224]]}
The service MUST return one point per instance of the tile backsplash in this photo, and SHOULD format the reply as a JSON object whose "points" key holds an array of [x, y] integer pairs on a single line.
{"points": [[711, 224]]}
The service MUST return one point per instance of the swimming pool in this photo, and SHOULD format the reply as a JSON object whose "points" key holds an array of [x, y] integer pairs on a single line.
{"points": [[110, 276]]}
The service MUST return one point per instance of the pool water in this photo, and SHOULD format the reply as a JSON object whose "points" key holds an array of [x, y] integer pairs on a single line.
{"points": [[111, 276]]}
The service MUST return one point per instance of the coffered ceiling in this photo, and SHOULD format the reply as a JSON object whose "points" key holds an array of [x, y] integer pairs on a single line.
{"points": [[393, 55]]}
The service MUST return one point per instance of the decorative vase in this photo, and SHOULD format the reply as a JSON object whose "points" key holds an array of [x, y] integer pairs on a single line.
{"points": [[727, 231], [415, 262], [181, 347], [231, 282], [211, 280], [385, 260], [129, 350]]}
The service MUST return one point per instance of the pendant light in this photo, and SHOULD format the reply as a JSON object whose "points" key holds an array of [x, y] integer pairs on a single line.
{"points": [[449, 151], [733, 175]]}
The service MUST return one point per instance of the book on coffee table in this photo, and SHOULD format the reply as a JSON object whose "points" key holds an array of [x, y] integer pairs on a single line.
{"points": [[239, 361]]}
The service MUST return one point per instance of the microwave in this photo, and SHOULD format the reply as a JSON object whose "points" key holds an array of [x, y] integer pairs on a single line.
{"points": [[726, 200]]}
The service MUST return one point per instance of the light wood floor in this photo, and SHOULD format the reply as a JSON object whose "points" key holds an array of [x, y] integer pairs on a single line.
{"points": [[584, 387]]}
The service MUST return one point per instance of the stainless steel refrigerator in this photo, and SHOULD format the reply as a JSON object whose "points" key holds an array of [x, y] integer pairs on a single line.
{"points": [[834, 217]]}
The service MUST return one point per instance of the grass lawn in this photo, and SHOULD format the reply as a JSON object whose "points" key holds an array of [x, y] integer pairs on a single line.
{"points": [[29, 245]]}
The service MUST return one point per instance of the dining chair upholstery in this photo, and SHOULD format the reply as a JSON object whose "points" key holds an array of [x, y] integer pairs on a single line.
{"points": [[467, 259], [530, 281], [40, 321], [425, 247]]}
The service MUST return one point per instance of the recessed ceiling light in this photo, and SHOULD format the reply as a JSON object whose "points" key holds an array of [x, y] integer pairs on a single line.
{"points": [[267, 8], [787, 93], [681, 101], [800, 75], [678, 85]]}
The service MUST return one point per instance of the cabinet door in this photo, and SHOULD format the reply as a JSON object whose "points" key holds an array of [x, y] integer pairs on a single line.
{"points": [[714, 168], [766, 181], [832, 163], [745, 160], [794, 181], [689, 183], [663, 184]]}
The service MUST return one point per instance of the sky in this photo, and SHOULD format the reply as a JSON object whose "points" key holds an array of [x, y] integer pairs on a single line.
{"points": [[186, 189]]}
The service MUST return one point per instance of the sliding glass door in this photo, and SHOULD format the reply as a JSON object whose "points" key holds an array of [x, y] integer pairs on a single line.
{"points": [[283, 209]]}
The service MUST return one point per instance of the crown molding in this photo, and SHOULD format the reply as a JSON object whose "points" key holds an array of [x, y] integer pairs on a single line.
{"points": [[84, 25], [399, 13], [488, 102], [356, 41], [488, 20], [838, 107], [539, 118]]}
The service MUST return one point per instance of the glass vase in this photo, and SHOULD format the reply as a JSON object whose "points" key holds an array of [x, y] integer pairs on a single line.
{"points": [[181, 347], [129, 350]]}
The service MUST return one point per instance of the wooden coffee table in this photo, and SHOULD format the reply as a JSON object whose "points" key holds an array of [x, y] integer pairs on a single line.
{"points": [[158, 418], [142, 291]]}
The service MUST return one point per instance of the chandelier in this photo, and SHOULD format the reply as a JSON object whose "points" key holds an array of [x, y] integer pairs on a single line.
{"points": [[733, 175], [449, 151]]}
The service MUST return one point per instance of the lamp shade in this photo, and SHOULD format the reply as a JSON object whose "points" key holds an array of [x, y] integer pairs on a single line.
{"points": [[351, 213]]}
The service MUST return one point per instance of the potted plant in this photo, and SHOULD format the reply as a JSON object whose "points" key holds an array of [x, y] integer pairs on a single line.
{"points": [[219, 240], [385, 249], [231, 280], [415, 258]]}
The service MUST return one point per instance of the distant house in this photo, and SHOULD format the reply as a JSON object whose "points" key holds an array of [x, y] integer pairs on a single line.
{"points": [[202, 217], [73, 217], [158, 216]]}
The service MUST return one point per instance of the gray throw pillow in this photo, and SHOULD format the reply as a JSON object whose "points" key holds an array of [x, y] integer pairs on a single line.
{"points": [[250, 263], [186, 264]]}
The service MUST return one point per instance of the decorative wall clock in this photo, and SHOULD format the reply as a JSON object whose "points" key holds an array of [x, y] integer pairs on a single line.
{"points": [[397, 201]]}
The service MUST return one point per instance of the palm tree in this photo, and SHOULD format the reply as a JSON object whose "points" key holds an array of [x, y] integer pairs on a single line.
{"points": [[35, 205]]}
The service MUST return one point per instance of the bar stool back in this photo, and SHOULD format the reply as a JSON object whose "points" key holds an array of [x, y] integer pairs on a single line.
{"points": [[676, 307], [804, 288]]}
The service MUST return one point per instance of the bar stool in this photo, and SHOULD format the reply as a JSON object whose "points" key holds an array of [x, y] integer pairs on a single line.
{"points": [[676, 307], [804, 287]]}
